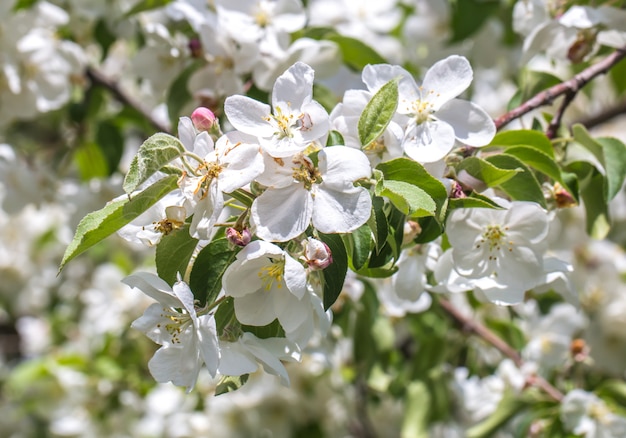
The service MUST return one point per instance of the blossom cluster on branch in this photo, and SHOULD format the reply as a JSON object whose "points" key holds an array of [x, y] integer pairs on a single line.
{"points": [[389, 197]]}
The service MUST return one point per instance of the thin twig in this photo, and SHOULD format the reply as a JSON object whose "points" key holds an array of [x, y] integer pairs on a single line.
{"points": [[603, 117], [483, 332], [97, 77], [572, 85], [555, 123]]}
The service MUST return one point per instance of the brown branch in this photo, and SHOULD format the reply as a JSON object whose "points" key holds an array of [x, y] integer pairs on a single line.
{"points": [[571, 86], [604, 116], [97, 77], [483, 332]]}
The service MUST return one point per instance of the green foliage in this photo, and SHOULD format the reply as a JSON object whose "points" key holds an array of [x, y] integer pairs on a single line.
{"points": [[356, 54], [173, 254], [485, 171], [524, 185], [147, 5], [468, 16], [378, 113], [102, 223], [509, 406], [153, 154], [335, 274], [230, 383], [208, 269]]}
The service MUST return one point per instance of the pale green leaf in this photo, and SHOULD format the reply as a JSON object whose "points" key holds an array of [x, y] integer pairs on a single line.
{"points": [[99, 224], [534, 139], [378, 112], [486, 171], [614, 152], [173, 254], [154, 153], [416, 411], [409, 199]]}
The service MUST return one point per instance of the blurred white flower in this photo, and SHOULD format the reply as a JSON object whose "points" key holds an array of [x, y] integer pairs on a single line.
{"points": [[585, 414]]}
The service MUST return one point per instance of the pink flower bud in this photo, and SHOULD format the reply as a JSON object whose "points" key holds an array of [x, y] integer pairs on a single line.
{"points": [[317, 254], [203, 119], [239, 238]]}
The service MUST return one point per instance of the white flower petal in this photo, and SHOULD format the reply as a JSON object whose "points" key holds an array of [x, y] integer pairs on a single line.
{"points": [[248, 115], [472, 125], [340, 211], [255, 309], [180, 365], [270, 217], [154, 287], [294, 87], [447, 79], [235, 360], [208, 342], [429, 141], [340, 166]]}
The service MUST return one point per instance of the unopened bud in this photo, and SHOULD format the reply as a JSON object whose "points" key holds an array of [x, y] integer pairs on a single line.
{"points": [[195, 47], [411, 230], [457, 191], [582, 47], [317, 254], [239, 238], [203, 119], [579, 350], [562, 197]]}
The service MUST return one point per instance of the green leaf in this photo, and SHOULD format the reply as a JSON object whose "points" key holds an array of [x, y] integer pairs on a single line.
{"points": [[416, 411], [469, 15], [485, 171], [104, 36], [23, 4], [523, 186], [524, 137], [335, 139], [596, 208], [90, 162], [335, 274], [378, 112], [581, 136], [475, 200], [230, 384], [147, 5], [403, 169], [324, 96], [360, 243], [537, 160], [154, 153], [614, 390], [378, 222], [356, 54], [225, 316], [431, 229], [409, 199], [111, 142], [271, 330], [205, 279], [99, 224], [614, 153], [173, 254]]}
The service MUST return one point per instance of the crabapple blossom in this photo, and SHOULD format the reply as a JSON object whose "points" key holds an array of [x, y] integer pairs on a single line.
{"points": [[324, 194], [296, 121], [267, 283], [234, 161], [587, 415], [430, 114], [187, 340], [501, 251]]}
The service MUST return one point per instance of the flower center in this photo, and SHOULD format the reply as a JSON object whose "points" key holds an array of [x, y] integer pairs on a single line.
{"points": [[282, 123], [494, 237], [177, 326], [376, 147], [305, 171], [208, 171], [272, 273]]}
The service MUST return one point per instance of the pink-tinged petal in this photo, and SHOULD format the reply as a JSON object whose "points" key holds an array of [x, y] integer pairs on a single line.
{"points": [[340, 166], [282, 214], [446, 79], [248, 115], [208, 343], [178, 364], [429, 141], [472, 125], [235, 360], [255, 309], [154, 287], [340, 211], [294, 87], [295, 277]]}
